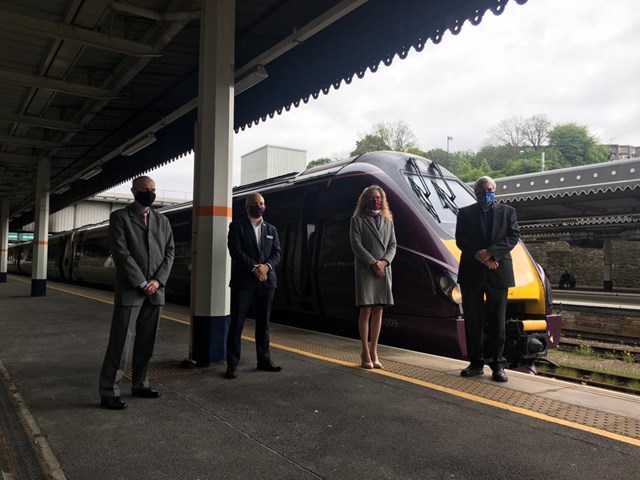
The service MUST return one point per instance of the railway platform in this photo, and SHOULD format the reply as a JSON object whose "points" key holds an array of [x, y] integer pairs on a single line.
{"points": [[321, 417]]}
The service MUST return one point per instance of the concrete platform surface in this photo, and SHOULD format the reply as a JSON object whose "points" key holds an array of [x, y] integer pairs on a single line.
{"points": [[321, 417]]}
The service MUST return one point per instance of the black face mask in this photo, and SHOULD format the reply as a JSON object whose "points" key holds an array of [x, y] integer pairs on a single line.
{"points": [[145, 198], [256, 211]]}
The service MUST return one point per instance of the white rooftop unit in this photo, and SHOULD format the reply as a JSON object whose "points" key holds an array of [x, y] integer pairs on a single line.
{"points": [[271, 161]]}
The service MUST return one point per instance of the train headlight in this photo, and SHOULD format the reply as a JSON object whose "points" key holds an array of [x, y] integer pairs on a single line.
{"points": [[449, 287], [456, 294]]}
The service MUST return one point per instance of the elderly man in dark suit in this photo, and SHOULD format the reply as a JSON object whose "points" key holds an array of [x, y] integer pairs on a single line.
{"points": [[486, 232], [141, 243], [254, 248]]}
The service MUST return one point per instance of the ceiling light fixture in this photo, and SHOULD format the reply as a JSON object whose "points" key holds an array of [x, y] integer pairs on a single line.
{"points": [[61, 189], [250, 79], [138, 144], [91, 173]]}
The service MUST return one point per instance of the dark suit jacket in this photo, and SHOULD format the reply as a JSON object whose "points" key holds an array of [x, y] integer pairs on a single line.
{"points": [[244, 252], [469, 239], [140, 253]]}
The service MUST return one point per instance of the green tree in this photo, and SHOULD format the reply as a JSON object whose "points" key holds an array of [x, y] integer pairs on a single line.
{"points": [[439, 156], [387, 136], [468, 167], [370, 143], [397, 135], [577, 145], [317, 162], [496, 156]]}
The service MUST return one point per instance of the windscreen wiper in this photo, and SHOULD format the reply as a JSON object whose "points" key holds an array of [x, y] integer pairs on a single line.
{"points": [[447, 201], [423, 193], [435, 166]]}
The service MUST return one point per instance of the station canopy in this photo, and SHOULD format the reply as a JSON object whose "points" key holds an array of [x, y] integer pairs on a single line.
{"points": [[86, 83]]}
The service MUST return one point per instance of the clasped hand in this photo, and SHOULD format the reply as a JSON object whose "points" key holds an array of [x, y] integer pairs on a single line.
{"points": [[151, 287], [261, 272], [484, 257], [378, 268]]}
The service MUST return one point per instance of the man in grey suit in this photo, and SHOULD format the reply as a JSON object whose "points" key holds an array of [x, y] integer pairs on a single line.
{"points": [[141, 244], [486, 232]]}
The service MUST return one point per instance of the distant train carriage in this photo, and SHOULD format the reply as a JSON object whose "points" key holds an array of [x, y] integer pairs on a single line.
{"points": [[312, 211]]}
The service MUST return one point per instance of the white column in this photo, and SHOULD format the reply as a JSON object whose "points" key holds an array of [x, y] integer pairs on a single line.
{"points": [[213, 176], [608, 266], [41, 237], [4, 238]]}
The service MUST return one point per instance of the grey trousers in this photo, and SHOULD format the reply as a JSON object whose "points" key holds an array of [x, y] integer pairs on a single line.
{"points": [[137, 325]]}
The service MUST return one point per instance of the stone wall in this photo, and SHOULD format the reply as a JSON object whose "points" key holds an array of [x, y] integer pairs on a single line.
{"points": [[587, 264]]}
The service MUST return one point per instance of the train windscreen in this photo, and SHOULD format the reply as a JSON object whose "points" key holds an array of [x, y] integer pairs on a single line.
{"points": [[441, 198]]}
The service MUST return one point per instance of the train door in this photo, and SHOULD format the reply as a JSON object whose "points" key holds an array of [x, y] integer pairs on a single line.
{"points": [[68, 255], [303, 252], [335, 262], [26, 259]]}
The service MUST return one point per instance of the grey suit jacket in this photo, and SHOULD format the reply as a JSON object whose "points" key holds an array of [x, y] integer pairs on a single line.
{"points": [[140, 253]]}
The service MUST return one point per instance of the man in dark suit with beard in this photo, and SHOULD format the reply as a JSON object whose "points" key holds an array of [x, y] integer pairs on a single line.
{"points": [[254, 248], [141, 245], [486, 232]]}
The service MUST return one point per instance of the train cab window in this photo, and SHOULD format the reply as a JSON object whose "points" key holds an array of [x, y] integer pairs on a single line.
{"points": [[441, 198]]}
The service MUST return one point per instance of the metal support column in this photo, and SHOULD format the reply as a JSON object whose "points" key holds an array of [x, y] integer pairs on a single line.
{"points": [[213, 176], [41, 230], [608, 266], [4, 238]]}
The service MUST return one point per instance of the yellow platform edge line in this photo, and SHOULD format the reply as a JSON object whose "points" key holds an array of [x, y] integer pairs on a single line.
{"points": [[432, 386]]}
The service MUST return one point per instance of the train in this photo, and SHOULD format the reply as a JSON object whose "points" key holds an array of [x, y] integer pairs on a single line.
{"points": [[312, 212]]}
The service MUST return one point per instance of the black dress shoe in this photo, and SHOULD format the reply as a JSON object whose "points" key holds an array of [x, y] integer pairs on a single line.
{"points": [[268, 366], [230, 373], [472, 371], [499, 376], [145, 393], [113, 403]]}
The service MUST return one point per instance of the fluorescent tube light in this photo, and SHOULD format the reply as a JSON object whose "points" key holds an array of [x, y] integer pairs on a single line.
{"points": [[137, 145], [91, 173], [250, 79], [62, 189]]}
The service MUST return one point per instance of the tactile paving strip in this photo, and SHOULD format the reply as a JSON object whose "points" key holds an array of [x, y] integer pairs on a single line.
{"points": [[165, 369], [605, 421]]}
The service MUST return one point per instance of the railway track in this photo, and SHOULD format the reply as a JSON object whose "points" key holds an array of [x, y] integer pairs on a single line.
{"points": [[599, 360], [592, 378], [621, 348]]}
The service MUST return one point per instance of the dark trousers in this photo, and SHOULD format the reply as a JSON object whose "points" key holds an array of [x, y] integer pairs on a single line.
{"points": [[137, 325], [479, 317], [242, 299]]}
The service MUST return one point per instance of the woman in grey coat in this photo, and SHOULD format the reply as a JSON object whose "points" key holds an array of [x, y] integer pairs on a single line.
{"points": [[373, 241]]}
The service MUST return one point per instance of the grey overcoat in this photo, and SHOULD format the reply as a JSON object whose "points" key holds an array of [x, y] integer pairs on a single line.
{"points": [[370, 243]]}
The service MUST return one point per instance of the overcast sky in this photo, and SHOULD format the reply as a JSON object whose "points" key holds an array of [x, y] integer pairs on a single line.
{"points": [[571, 60]]}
